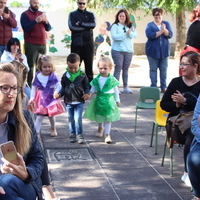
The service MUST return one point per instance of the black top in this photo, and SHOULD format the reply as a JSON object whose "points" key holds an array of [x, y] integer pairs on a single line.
{"points": [[193, 35], [191, 95], [73, 91]]}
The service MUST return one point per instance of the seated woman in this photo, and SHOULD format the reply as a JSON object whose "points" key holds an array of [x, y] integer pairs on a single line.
{"points": [[181, 96], [13, 53], [18, 181], [193, 158], [46, 186]]}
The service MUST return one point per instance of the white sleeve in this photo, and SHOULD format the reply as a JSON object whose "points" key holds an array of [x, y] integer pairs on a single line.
{"points": [[93, 90], [116, 91], [58, 87], [33, 92]]}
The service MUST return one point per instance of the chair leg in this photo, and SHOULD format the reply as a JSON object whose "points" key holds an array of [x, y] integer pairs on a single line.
{"points": [[156, 141], [152, 134], [171, 161], [135, 119], [163, 158]]}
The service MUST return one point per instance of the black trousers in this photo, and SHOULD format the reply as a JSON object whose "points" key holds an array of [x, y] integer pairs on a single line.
{"points": [[86, 53], [32, 52]]}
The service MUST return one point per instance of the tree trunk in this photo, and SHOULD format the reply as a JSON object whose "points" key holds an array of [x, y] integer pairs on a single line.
{"points": [[180, 33]]}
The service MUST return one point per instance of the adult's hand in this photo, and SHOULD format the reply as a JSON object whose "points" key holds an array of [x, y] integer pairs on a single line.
{"points": [[178, 98], [6, 15], [17, 170], [39, 18], [2, 190]]}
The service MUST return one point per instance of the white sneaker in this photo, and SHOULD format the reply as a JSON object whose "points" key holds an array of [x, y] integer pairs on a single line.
{"points": [[127, 91], [108, 139], [186, 180]]}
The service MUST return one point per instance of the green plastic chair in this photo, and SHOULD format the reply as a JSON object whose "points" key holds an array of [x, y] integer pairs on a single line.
{"points": [[159, 123], [147, 100]]}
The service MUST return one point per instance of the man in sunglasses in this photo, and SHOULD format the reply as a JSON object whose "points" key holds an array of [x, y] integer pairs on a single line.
{"points": [[81, 23]]}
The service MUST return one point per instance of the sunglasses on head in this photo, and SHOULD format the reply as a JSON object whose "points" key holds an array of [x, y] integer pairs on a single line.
{"points": [[158, 14], [80, 3]]}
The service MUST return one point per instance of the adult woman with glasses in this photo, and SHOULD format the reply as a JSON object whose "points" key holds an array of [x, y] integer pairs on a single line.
{"points": [[21, 181], [157, 47], [122, 33], [181, 96]]}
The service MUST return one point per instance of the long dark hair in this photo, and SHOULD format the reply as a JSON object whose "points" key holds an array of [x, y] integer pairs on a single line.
{"points": [[127, 22]]}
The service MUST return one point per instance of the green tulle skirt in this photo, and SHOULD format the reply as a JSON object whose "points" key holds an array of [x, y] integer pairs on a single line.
{"points": [[103, 108]]}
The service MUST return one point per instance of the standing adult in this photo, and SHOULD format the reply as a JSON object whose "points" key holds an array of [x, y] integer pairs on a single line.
{"points": [[122, 33], [193, 40], [7, 22], [34, 24], [157, 47], [81, 23]]}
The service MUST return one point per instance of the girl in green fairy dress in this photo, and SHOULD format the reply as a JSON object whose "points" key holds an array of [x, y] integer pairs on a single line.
{"points": [[104, 107]]}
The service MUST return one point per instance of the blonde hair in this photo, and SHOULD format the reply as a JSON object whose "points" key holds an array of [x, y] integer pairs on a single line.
{"points": [[106, 60], [22, 133], [23, 71], [45, 58]]}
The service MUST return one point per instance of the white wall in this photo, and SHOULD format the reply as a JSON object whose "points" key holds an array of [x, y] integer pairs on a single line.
{"points": [[58, 18]]}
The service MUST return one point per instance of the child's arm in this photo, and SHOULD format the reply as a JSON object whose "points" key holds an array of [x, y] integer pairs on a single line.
{"points": [[31, 103], [33, 93], [87, 96], [116, 93], [56, 94]]}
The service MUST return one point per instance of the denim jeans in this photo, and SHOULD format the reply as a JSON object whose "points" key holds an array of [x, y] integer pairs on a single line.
{"points": [[154, 65], [75, 112], [193, 167], [16, 189], [2, 48]]}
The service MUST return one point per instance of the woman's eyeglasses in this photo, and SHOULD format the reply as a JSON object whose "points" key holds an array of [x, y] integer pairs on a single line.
{"points": [[184, 64], [81, 3], [5, 89]]}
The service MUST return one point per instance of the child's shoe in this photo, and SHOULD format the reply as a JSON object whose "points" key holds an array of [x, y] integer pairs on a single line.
{"points": [[72, 138], [80, 139], [53, 132], [108, 139], [99, 133]]}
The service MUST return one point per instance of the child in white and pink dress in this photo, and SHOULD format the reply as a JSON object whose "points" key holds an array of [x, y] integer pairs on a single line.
{"points": [[43, 88]]}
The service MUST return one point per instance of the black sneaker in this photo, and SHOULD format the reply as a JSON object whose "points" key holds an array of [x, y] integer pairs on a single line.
{"points": [[72, 138], [80, 139]]}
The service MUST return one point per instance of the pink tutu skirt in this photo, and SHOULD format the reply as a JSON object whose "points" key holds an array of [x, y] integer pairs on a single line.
{"points": [[53, 109]]}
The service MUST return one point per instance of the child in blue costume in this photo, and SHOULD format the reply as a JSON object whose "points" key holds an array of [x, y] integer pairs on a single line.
{"points": [[104, 107]]}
